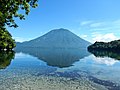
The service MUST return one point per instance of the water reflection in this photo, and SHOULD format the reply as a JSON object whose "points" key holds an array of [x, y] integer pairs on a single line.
{"points": [[59, 57], [5, 58], [28, 71], [103, 53]]}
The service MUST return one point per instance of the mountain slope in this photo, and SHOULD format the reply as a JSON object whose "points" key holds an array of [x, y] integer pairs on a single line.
{"points": [[57, 38]]}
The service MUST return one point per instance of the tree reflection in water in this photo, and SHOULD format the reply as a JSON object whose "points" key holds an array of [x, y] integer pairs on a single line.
{"points": [[105, 53], [5, 58]]}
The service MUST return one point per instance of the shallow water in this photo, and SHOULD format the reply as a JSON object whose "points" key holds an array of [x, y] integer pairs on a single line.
{"points": [[58, 69]]}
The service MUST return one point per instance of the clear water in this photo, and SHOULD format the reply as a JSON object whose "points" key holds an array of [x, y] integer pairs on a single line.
{"points": [[59, 69]]}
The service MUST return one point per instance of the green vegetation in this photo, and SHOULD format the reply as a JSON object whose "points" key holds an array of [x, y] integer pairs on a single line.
{"points": [[6, 41], [5, 58], [110, 46], [9, 10]]}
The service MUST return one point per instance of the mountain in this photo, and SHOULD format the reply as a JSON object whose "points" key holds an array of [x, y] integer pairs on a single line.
{"points": [[57, 38]]}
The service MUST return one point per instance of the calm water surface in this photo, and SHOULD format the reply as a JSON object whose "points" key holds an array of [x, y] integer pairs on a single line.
{"points": [[59, 69]]}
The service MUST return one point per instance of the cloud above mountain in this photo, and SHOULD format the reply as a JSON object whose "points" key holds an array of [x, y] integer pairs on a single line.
{"points": [[101, 25], [103, 37], [101, 30]]}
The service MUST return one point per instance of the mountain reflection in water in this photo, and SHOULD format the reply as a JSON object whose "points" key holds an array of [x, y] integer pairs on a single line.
{"points": [[59, 57], [88, 71]]}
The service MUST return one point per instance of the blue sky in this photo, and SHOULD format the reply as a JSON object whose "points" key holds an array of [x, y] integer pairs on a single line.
{"points": [[92, 20]]}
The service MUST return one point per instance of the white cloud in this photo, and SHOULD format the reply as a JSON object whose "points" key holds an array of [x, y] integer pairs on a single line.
{"points": [[108, 25], [100, 30], [85, 23], [117, 22], [97, 24], [103, 37], [101, 25]]}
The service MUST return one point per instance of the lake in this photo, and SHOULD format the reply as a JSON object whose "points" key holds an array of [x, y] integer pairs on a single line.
{"points": [[59, 69]]}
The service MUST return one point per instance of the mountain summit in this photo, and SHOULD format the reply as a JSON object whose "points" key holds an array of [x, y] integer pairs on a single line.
{"points": [[57, 38]]}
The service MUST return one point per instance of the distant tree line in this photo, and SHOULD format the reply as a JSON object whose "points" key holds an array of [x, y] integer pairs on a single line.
{"points": [[109, 46]]}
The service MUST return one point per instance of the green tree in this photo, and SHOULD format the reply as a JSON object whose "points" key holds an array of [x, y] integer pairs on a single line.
{"points": [[9, 10], [6, 41]]}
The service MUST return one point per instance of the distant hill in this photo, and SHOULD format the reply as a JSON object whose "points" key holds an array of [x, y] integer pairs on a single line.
{"points": [[57, 38], [108, 46]]}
